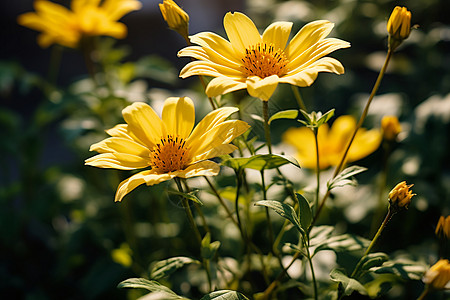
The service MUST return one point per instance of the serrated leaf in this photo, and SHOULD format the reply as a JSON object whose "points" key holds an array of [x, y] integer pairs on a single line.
{"points": [[189, 196], [149, 285], [284, 210], [258, 162], [305, 212], [224, 295], [343, 243], [284, 114], [344, 178], [349, 285], [166, 267]]}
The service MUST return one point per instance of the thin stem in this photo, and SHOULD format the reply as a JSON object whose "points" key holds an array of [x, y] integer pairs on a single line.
{"points": [[198, 209], [187, 208], [213, 188], [424, 293], [298, 97], [358, 126], [266, 125], [316, 130], [316, 295], [236, 203]]}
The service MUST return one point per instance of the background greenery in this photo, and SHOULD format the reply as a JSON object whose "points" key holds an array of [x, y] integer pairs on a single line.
{"points": [[59, 227]]}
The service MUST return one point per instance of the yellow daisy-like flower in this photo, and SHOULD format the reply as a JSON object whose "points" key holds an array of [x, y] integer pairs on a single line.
{"points": [[258, 63], [85, 18], [332, 143], [170, 145]]}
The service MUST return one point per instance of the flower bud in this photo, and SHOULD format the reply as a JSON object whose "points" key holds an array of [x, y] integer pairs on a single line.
{"points": [[400, 196], [398, 26], [176, 18], [443, 228], [391, 127], [438, 276]]}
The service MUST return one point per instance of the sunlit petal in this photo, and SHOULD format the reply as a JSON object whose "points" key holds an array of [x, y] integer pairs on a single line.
{"points": [[241, 31], [262, 88], [120, 161], [202, 168], [179, 116], [223, 85], [278, 34]]}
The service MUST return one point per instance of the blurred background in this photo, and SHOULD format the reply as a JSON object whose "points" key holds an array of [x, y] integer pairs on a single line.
{"points": [[62, 235]]}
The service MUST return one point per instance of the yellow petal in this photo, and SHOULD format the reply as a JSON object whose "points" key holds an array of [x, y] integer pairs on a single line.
{"points": [[222, 133], [217, 44], [365, 143], [310, 34], [223, 85], [215, 152], [78, 5], [262, 88], [179, 116], [148, 177], [278, 34], [212, 119], [144, 123], [120, 161], [116, 9], [208, 68], [121, 145], [241, 31], [202, 168]]}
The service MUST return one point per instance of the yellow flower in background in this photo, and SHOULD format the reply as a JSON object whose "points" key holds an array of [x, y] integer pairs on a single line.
{"points": [[170, 145], [122, 255], [438, 276], [398, 26], [443, 228], [400, 196], [391, 127], [60, 25], [176, 18], [258, 63], [332, 143]]}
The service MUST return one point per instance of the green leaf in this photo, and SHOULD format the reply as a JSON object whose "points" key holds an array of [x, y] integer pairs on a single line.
{"points": [[209, 249], [305, 212], [319, 234], [403, 268], [316, 119], [189, 196], [284, 210], [380, 285], [343, 243], [256, 118], [224, 295], [166, 267], [344, 178], [373, 260], [284, 114], [258, 162], [347, 284], [152, 286]]}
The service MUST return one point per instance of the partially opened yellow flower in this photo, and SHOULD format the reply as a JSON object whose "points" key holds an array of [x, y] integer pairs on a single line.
{"points": [[258, 63], [168, 145], [332, 143], [60, 25]]}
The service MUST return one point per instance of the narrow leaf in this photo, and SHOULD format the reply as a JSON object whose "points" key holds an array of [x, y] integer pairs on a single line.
{"points": [[343, 243], [258, 162], [344, 178], [284, 114], [143, 283], [224, 295], [284, 210], [348, 284], [166, 267], [305, 212], [189, 196]]}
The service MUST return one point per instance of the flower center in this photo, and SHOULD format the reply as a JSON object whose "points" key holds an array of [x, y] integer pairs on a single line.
{"points": [[263, 60], [171, 154]]}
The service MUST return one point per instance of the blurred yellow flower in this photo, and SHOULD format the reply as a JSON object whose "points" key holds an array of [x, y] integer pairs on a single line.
{"points": [[60, 25], [443, 228], [438, 276], [332, 143], [399, 26], [176, 18], [258, 63], [122, 255], [400, 196], [391, 127], [169, 145]]}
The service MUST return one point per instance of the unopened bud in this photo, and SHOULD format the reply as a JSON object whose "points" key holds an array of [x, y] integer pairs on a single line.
{"points": [[391, 127], [438, 276], [398, 26], [176, 18], [400, 196], [443, 228]]}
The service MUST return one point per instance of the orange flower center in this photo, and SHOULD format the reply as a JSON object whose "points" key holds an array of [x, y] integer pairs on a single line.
{"points": [[171, 154], [263, 60]]}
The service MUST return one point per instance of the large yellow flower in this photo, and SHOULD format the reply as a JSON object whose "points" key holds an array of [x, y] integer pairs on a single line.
{"points": [[258, 63], [86, 18], [168, 145], [332, 143]]}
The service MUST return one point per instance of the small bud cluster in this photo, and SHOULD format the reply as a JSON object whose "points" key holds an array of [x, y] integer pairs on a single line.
{"points": [[400, 196]]}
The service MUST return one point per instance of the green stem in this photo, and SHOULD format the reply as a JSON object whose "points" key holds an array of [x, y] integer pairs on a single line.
{"points": [[266, 125], [424, 293], [236, 207], [315, 130], [213, 188], [358, 126], [298, 97], [187, 208], [316, 295]]}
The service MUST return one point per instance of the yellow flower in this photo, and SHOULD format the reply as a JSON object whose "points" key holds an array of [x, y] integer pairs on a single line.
{"points": [[169, 145], [332, 143], [438, 276], [398, 26], [443, 228], [176, 18], [122, 255], [400, 196], [60, 25], [258, 63], [391, 127]]}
